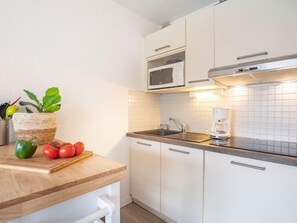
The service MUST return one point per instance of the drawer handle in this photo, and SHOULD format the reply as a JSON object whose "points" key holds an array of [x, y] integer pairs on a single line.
{"points": [[248, 165], [253, 55], [178, 151], [196, 81], [162, 48], [144, 144]]}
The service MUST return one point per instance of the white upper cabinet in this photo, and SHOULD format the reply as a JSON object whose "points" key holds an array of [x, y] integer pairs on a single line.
{"points": [[168, 39], [249, 30], [241, 190], [200, 47]]}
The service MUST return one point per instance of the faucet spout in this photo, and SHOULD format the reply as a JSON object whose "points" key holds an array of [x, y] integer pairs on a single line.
{"points": [[178, 124]]}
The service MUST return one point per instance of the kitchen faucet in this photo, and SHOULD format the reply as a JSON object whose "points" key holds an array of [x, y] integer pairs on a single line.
{"points": [[178, 124], [165, 126]]}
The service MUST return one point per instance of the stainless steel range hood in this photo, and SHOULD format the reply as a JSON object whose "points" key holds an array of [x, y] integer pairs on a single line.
{"points": [[281, 69]]}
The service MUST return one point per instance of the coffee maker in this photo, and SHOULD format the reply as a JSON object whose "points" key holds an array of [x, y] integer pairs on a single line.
{"points": [[221, 123]]}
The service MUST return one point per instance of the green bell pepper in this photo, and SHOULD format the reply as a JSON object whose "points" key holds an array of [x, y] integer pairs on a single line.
{"points": [[25, 149]]}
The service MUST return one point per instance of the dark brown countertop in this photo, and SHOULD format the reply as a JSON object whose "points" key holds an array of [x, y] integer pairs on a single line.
{"points": [[281, 159]]}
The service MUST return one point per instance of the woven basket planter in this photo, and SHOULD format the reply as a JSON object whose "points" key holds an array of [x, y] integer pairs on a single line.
{"points": [[42, 126]]}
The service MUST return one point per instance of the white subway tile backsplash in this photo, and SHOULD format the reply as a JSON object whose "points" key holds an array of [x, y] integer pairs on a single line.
{"points": [[143, 111], [266, 112]]}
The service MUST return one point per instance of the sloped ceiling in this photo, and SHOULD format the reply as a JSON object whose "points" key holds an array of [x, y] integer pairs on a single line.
{"points": [[162, 12]]}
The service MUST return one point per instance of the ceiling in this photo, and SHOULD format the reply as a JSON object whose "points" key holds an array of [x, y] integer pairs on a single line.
{"points": [[162, 12]]}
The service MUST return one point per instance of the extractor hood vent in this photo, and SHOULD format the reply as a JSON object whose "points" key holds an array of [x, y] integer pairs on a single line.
{"points": [[281, 69]]}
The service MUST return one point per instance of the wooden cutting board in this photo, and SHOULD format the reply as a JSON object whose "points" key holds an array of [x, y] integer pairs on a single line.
{"points": [[37, 163]]}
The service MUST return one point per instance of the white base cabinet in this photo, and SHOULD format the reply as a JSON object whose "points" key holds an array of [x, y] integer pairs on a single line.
{"points": [[168, 179], [181, 183], [145, 172], [248, 191]]}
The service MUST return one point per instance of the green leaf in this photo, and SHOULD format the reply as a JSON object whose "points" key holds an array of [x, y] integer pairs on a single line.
{"points": [[24, 103], [48, 101], [28, 110], [51, 98], [52, 91], [33, 97], [53, 108]]}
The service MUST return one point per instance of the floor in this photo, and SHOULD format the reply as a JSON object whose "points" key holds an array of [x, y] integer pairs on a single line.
{"points": [[132, 213]]}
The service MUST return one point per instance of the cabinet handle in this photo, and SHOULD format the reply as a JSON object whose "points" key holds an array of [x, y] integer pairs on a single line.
{"points": [[163, 47], [178, 151], [144, 144], [248, 165], [252, 55], [196, 81]]}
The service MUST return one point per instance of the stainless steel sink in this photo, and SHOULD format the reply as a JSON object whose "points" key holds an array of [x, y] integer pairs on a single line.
{"points": [[177, 135], [158, 132], [190, 136]]}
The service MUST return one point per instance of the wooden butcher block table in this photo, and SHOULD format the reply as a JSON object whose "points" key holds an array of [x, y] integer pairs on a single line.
{"points": [[23, 191]]}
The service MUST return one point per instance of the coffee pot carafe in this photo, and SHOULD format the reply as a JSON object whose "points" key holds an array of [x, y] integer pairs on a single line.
{"points": [[221, 123]]}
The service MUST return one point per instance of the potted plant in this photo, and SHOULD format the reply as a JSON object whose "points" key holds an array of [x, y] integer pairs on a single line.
{"points": [[41, 124], [7, 109]]}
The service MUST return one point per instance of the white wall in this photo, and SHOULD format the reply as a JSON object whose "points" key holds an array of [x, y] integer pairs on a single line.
{"points": [[91, 50]]}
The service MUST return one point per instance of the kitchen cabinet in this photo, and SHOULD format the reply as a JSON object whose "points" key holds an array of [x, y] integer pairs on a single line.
{"points": [[167, 39], [181, 183], [253, 30], [245, 190], [168, 179], [200, 47], [145, 172]]}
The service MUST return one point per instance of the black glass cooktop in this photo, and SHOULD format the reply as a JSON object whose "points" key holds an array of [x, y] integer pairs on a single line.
{"points": [[266, 146]]}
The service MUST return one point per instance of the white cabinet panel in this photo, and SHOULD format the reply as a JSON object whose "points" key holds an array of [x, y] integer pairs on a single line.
{"points": [[200, 47], [181, 183], [170, 38], [76, 208], [248, 191], [244, 28], [145, 172]]}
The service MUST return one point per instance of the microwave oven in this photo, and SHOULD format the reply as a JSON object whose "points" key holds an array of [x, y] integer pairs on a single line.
{"points": [[167, 76]]}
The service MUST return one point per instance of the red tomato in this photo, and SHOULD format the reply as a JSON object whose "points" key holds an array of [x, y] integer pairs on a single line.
{"points": [[57, 144], [79, 148], [50, 152], [67, 151]]}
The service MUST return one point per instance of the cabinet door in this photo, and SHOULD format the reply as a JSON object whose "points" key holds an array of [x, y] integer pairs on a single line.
{"points": [[165, 40], [145, 172], [245, 190], [254, 30], [181, 183], [200, 47]]}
